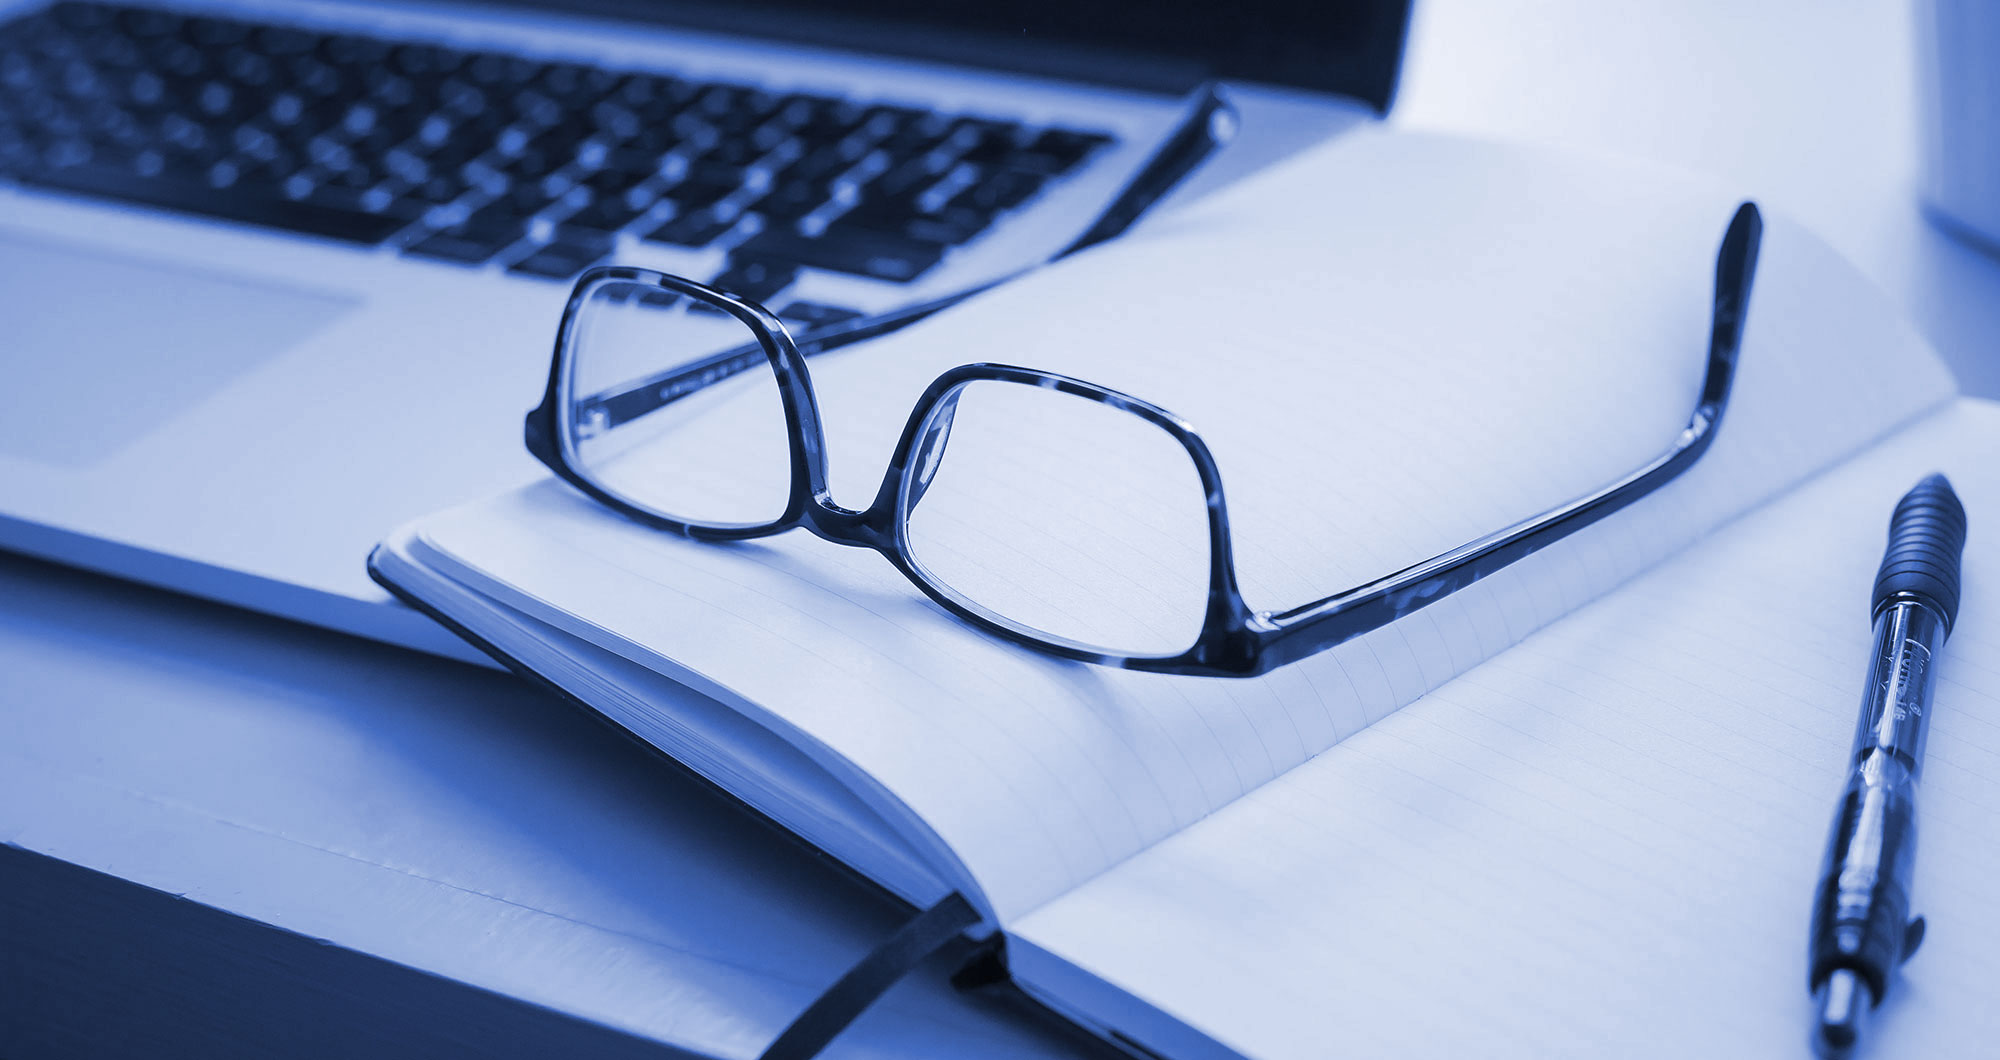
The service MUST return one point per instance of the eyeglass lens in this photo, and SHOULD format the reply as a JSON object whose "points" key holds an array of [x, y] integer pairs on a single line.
{"points": [[713, 450], [1061, 515]]}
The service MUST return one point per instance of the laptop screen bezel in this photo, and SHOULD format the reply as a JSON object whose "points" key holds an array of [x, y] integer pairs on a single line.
{"points": [[1360, 60]]}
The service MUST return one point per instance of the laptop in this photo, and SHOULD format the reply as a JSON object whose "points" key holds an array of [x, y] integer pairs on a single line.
{"points": [[278, 277]]}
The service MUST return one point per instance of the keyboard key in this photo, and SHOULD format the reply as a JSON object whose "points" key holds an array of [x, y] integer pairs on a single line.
{"points": [[501, 71], [352, 52], [563, 259], [652, 92], [438, 190], [819, 120], [731, 154], [696, 193], [607, 215], [847, 248], [1057, 151], [234, 204], [421, 60], [697, 229], [904, 182], [818, 166], [790, 201], [640, 162], [755, 281], [717, 100], [467, 247], [810, 315], [951, 224], [889, 118], [531, 165], [612, 183], [915, 139], [1002, 189], [484, 233], [355, 177], [526, 200], [990, 146], [375, 201], [500, 217]]}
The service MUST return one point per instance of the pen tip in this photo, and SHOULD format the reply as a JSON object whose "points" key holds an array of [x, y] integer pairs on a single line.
{"points": [[1841, 1006]]}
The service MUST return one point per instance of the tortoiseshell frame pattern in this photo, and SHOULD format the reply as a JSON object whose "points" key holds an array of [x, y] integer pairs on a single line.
{"points": [[1234, 641]]}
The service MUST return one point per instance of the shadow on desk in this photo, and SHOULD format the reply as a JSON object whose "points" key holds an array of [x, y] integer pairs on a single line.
{"points": [[230, 834], [145, 973]]}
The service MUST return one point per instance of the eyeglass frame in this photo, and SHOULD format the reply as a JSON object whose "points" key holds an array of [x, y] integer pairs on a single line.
{"points": [[1234, 641]]}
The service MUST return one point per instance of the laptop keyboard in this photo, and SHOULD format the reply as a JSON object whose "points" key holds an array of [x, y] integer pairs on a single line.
{"points": [[478, 157]]}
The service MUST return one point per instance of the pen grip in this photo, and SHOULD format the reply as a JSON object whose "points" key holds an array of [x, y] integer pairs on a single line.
{"points": [[1861, 910], [1926, 539]]}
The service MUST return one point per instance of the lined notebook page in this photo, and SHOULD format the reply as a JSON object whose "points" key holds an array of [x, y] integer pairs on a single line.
{"points": [[1605, 841], [1394, 345]]}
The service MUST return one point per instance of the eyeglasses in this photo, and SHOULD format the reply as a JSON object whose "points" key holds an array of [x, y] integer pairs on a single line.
{"points": [[1052, 512]]}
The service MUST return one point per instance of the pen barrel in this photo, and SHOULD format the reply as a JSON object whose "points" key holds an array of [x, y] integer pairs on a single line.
{"points": [[1902, 676], [1861, 911]]}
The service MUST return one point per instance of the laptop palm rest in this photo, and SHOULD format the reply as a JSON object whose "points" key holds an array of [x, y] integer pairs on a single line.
{"points": [[101, 349]]}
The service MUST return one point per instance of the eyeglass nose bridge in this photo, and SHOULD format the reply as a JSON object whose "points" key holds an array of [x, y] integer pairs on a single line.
{"points": [[879, 526], [845, 526]]}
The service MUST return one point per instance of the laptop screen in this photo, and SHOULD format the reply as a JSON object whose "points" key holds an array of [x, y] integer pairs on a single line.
{"points": [[1349, 47]]}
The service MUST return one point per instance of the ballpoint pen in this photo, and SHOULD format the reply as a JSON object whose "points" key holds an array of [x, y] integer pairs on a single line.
{"points": [[1861, 928]]}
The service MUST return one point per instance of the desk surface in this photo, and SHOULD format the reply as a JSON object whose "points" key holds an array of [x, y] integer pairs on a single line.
{"points": [[452, 821], [420, 811]]}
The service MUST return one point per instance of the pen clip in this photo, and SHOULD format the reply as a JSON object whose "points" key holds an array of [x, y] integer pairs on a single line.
{"points": [[1209, 122]]}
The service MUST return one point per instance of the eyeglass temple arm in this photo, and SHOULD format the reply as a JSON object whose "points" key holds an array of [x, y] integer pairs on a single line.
{"points": [[1208, 122], [1303, 631], [657, 391]]}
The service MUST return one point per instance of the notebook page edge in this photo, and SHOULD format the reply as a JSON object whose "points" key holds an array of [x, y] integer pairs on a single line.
{"points": [[873, 845]]}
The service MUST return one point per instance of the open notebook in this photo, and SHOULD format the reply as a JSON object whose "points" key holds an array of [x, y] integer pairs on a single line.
{"points": [[1572, 810]]}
